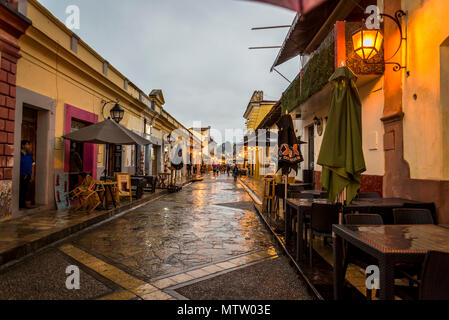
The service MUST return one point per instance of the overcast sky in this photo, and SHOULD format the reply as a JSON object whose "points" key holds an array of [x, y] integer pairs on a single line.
{"points": [[196, 51]]}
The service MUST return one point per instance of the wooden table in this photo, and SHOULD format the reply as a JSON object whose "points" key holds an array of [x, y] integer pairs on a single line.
{"points": [[389, 244], [107, 187], [162, 177], [299, 207]]}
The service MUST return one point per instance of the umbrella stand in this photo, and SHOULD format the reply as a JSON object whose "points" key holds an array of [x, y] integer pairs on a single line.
{"points": [[341, 199], [106, 164]]}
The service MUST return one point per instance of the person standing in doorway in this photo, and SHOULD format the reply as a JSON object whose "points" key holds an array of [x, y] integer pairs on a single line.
{"points": [[27, 166]]}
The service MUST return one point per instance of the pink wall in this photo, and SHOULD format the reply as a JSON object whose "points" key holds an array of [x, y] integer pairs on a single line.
{"points": [[90, 150]]}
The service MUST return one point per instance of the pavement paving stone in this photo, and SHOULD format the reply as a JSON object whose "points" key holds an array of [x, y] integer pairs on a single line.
{"points": [[157, 295], [121, 295], [144, 289], [266, 280], [181, 231], [180, 278], [164, 283]]}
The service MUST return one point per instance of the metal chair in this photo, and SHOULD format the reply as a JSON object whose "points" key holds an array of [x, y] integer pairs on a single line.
{"points": [[354, 255], [408, 216], [368, 195], [429, 206], [322, 217], [364, 219], [433, 283]]}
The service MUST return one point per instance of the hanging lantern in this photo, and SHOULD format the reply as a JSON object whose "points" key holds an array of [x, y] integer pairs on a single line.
{"points": [[367, 43], [117, 113]]}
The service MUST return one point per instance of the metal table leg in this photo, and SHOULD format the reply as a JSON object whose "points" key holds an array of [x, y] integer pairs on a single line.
{"points": [[338, 268]]}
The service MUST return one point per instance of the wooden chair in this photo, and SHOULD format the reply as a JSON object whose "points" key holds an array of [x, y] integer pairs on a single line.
{"points": [[122, 179], [89, 198], [269, 195], [74, 194]]}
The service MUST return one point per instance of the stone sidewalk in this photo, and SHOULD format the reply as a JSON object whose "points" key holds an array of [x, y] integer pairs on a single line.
{"points": [[22, 236]]}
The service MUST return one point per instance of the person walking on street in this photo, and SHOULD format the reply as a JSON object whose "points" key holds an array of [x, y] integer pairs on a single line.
{"points": [[235, 173], [27, 165]]}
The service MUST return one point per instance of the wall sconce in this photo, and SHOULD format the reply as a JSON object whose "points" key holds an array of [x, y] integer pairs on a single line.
{"points": [[368, 42], [319, 125], [116, 113]]}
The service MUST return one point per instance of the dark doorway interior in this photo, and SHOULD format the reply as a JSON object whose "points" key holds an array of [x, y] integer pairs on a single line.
{"points": [[29, 132], [77, 172], [115, 159]]}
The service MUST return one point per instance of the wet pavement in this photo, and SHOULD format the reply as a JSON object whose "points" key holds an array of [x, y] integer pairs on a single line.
{"points": [[208, 229]]}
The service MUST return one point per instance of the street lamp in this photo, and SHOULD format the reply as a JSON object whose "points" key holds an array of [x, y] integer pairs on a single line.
{"points": [[368, 42], [117, 113], [170, 139]]}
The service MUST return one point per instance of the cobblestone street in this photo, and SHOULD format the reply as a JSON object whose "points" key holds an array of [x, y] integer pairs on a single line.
{"points": [[206, 241]]}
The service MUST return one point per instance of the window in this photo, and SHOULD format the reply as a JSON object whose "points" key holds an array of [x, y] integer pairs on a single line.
{"points": [[125, 84], [153, 105]]}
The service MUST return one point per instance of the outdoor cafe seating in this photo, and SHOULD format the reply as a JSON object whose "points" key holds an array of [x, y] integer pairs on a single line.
{"points": [[371, 226]]}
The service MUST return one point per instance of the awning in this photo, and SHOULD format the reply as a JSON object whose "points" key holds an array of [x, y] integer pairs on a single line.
{"points": [[303, 30]]}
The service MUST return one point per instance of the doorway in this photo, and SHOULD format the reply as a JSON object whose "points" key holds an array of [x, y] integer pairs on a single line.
{"points": [[29, 133], [115, 156]]}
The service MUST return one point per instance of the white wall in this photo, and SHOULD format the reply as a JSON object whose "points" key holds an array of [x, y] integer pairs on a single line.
{"points": [[371, 95]]}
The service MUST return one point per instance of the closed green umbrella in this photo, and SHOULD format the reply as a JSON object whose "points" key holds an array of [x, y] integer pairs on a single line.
{"points": [[341, 154]]}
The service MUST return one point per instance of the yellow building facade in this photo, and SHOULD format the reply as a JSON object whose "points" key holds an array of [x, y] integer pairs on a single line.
{"points": [[256, 111], [62, 85]]}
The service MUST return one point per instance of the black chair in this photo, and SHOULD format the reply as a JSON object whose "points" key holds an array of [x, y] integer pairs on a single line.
{"points": [[364, 219], [368, 195], [354, 255], [434, 283], [322, 217], [304, 196], [429, 206], [412, 216]]}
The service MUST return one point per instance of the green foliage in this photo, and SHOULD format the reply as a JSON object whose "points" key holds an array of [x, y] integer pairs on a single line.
{"points": [[316, 74]]}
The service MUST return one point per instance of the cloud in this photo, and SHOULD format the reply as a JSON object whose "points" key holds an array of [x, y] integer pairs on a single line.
{"points": [[196, 51]]}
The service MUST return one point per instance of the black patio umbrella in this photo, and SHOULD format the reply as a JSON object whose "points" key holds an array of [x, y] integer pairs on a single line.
{"points": [[107, 132], [289, 153]]}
